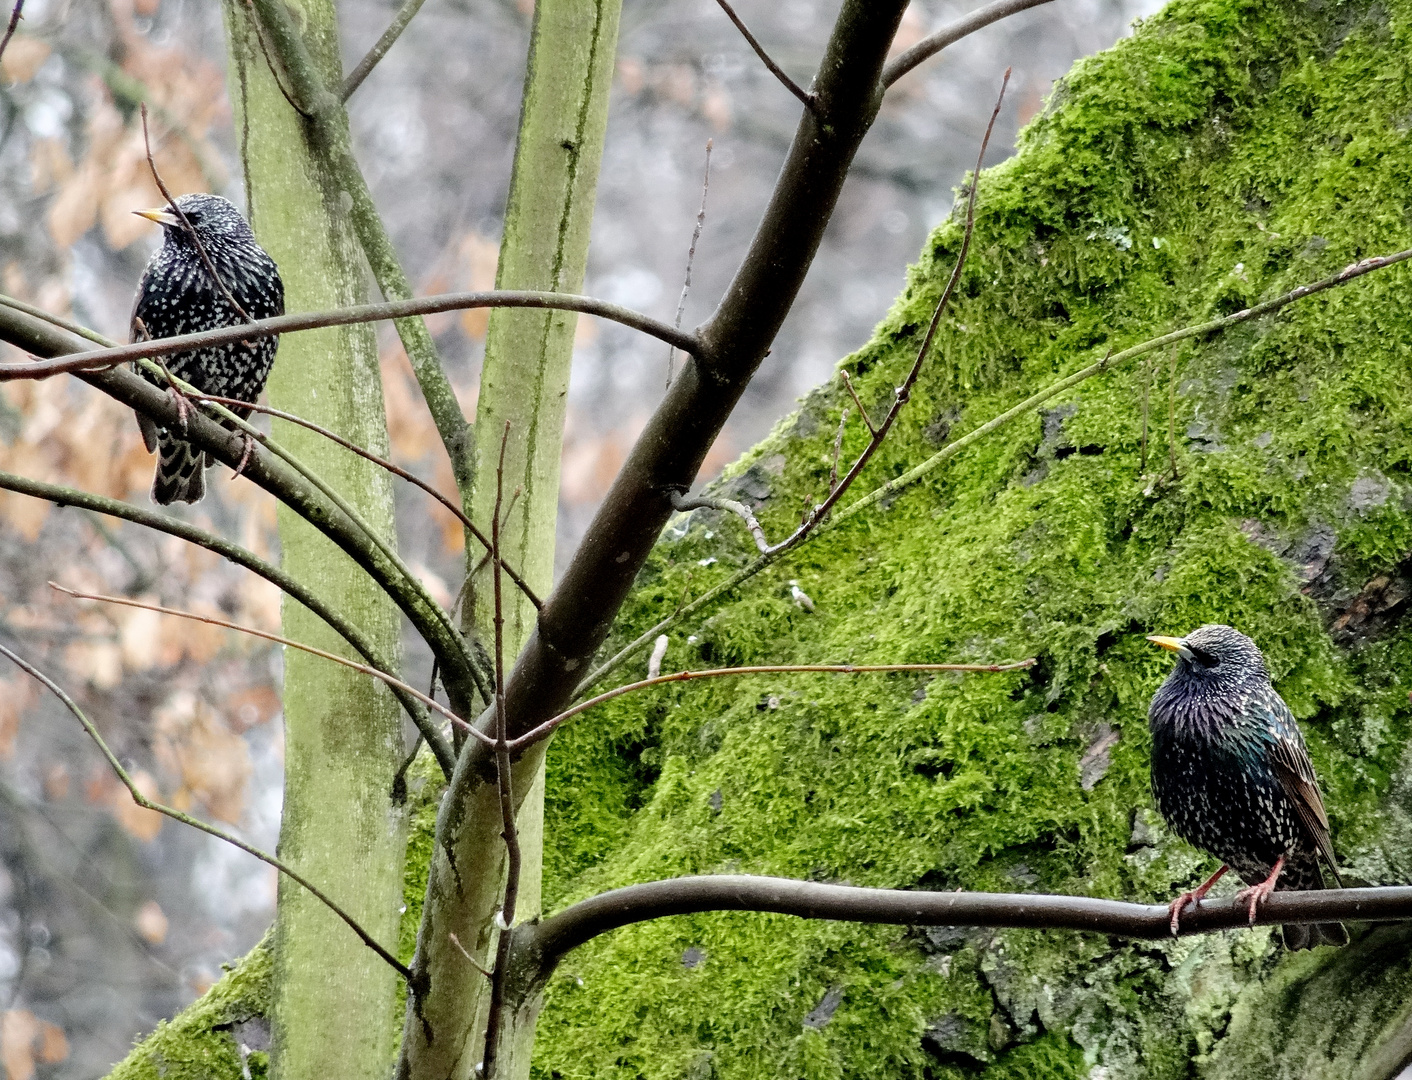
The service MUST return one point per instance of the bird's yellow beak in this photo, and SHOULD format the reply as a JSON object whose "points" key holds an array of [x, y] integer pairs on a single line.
{"points": [[161, 215], [1171, 644]]}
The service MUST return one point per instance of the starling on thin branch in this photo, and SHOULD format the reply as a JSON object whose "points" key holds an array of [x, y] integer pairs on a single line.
{"points": [[1231, 775], [177, 295]]}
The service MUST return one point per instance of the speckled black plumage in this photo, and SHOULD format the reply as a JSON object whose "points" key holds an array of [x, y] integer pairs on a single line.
{"points": [[177, 296], [1231, 774]]}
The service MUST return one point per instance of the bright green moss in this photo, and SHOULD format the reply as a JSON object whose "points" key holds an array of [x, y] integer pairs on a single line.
{"points": [[1227, 152], [197, 1044]]}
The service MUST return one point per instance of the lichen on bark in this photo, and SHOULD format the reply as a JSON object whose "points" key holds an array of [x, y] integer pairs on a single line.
{"points": [[1228, 151]]}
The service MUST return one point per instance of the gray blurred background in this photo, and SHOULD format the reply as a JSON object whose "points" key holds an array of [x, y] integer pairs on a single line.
{"points": [[109, 919]]}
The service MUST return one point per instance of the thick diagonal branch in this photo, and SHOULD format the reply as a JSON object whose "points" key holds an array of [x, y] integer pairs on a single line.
{"points": [[665, 460]]}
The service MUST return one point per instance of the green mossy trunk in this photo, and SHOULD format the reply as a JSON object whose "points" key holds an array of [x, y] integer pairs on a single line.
{"points": [[333, 999], [1230, 150]]}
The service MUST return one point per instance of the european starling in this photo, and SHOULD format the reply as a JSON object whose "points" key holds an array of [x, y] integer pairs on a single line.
{"points": [[1231, 775], [177, 296]]}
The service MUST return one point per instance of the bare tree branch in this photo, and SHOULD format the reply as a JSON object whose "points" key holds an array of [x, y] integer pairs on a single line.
{"points": [[382, 676], [271, 474], [10, 28], [196, 823], [672, 446], [691, 258], [932, 44], [396, 470], [66, 496], [546, 942], [806, 98], [186, 222], [288, 324], [681, 503], [186, 391], [504, 783], [917, 472], [546, 728], [355, 78]]}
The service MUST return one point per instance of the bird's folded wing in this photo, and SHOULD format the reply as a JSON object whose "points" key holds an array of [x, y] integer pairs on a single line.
{"points": [[1296, 775]]}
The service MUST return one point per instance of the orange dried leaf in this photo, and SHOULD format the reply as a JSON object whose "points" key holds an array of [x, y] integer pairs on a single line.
{"points": [[151, 923], [23, 57], [19, 1030], [212, 762]]}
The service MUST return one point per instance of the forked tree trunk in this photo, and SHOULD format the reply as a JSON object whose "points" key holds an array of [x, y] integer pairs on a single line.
{"points": [[524, 384]]}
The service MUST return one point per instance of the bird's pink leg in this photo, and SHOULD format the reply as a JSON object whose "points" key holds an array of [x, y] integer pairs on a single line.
{"points": [[1194, 897], [245, 454], [1256, 895]]}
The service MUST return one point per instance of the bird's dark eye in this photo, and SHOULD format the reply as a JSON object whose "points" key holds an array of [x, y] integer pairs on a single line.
{"points": [[1202, 657]]}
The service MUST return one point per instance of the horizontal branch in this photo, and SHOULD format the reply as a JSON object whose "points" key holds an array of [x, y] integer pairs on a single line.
{"points": [[917, 472], [196, 823], [968, 24], [232, 552], [553, 937], [360, 313], [271, 474], [549, 725]]}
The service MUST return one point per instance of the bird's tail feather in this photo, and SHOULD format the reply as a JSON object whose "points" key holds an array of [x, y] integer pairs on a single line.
{"points": [[1298, 936], [181, 472]]}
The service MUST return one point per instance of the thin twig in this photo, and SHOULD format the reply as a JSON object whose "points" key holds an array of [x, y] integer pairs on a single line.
{"points": [[186, 222], [10, 29], [686, 341], [1146, 393], [778, 72], [101, 504], [473, 961], [1172, 409], [411, 478], [682, 503], [535, 734], [950, 450], [302, 110], [394, 30], [381, 676], [196, 823], [838, 448], [862, 411], [504, 785], [903, 393], [691, 257], [968, 24]]}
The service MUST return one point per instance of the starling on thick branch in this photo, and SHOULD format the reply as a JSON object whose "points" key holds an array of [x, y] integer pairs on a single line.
{"points": [[1231, 775], [177, 295]]}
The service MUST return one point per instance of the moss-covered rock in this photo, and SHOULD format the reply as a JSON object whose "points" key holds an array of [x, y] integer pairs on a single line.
{"points": [[223, 1035], [1228, 151]]}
